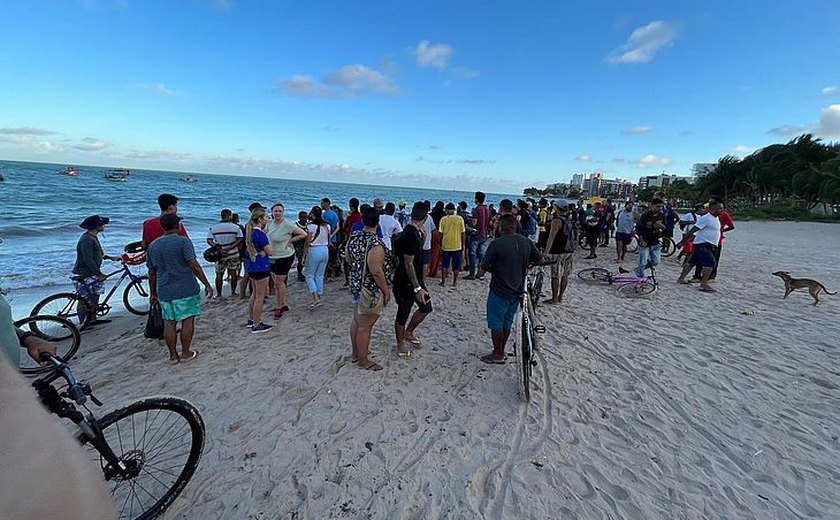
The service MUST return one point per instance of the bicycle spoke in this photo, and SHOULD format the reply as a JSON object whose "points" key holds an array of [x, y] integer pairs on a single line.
{"points": [[166, 435], [159, 449]]}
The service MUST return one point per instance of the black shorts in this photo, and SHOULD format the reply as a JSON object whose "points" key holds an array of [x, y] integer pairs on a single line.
{"points": [[259, 275], [281, 266], [405, 301]]}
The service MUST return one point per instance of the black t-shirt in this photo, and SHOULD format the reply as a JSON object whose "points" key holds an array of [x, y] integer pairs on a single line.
{"points": [[409, 242], [507, 258], [647, 230]]}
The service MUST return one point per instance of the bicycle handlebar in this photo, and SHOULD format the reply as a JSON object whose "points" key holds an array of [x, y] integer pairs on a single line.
{"points": [[74, 389]]}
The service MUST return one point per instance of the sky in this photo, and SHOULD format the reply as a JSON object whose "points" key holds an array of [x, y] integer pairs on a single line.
{"points": [[447, 94]]}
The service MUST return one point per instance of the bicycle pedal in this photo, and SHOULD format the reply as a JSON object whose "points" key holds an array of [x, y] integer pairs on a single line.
{"points": [[539, 329]]}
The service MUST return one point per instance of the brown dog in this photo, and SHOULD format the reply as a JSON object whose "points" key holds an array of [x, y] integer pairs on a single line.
{"points": [[791, 284]]}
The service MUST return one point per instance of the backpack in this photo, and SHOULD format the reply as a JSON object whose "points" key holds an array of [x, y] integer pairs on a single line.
{"points": [[572, 236]]}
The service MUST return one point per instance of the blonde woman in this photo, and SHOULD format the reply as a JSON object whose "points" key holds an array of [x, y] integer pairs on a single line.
{"points": [[259, 249], [283, 233]]}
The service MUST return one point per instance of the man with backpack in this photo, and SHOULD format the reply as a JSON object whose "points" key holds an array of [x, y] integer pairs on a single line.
{"points": [[560, 248]]}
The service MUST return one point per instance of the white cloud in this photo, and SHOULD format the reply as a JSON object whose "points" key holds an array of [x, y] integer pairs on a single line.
{"points": [[742, 150], [830, 91], [433, 55], [644, 42], [346, 82], [650, 160], [583, 158], [829, 125], [25, 130], [92, 144], [637, 130], [788, 130], [158, 155]]}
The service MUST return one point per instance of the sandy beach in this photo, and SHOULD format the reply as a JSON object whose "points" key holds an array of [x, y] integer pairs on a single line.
{"points": [[675, 406]]}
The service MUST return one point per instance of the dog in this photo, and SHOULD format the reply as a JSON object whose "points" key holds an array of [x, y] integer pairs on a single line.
{"points": [[791, 284]]}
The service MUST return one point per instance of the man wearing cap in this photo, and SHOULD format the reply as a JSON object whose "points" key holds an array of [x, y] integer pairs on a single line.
{"points": [[152, 228], [453, 240], [172, 273], [89, 255]]}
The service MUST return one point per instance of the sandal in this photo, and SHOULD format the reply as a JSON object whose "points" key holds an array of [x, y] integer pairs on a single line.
{"points": [[278, 313], [490, 359], [194, 353], [404, 355], [374, 366]]}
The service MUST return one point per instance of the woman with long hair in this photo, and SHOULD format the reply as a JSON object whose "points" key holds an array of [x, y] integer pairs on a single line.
{"points": [[259, 268], [317, 255], [437, 213]]}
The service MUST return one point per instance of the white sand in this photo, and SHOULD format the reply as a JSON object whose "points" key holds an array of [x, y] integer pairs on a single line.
{"points": [[675, 406]]}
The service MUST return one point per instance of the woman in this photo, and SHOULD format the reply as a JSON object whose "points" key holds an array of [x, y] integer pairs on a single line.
{"points": [[437, 213], [259, 268], [283, 234], [369, 285], [317, 256]]}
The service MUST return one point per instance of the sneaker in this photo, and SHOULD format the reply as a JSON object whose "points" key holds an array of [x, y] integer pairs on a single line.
{"points": [[250, 324], [262, 327]]}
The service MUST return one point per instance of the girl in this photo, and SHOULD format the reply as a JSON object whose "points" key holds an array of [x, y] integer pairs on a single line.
{"points": [[259, 249], [317, 255]]}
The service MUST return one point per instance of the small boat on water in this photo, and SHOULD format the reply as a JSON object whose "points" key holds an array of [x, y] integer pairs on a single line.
{"points": [[2, 177], [117, 175], [70, 171], [190, 180]]}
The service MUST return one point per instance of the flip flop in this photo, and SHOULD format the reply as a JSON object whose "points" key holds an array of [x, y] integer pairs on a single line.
{"points": [[707, 290], [195, 354], [374, 366], [174, 361], [278, 313], [416, 343], [490, 360], [404, 355]]}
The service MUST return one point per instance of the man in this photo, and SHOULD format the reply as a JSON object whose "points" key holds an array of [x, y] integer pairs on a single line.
{"points": [[352, 219], [453, 240], [430, 227], [506, 259], [592, 228], [88, 276], [229, 236], [377, 204], [609, 218], [625, 228], [560, 248], [389, 225], [331, 217], [172, 273], [368, 285], [687, 221], [152, 228], [409, 288], [671, 219], [402, 215], [650, 228], [300, 246], [471, 232], [480, 221], [726, 224], [544, 216], [706, 235]]}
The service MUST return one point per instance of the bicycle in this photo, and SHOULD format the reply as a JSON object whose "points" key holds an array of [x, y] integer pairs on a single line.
{"points": [[147, 450], [535, 286], [667, 247], [78, 308], [529, 341], [58, 332], [629, 285]]}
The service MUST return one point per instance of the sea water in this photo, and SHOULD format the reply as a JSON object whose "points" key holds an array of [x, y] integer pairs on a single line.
{"points": [[42, 212]]}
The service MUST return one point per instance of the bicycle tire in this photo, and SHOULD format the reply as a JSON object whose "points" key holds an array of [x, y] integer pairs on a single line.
{"points": [[136, 296], [594, 274], [70, 306], [669, 247], [636, 289], [60, 333], [536, 288], [140, 453]]}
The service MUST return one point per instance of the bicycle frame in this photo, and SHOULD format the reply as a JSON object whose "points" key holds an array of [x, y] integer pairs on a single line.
{"points": [[126, 272]]}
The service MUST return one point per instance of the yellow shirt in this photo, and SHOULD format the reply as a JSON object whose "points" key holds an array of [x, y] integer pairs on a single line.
{"points": [[452, 226]]}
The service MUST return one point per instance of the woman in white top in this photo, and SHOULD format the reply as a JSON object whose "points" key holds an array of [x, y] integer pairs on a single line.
{"points": [[317, 255], [283, 233]]}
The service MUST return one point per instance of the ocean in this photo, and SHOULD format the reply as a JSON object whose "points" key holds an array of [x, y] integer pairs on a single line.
{"points": [[44, 209]]}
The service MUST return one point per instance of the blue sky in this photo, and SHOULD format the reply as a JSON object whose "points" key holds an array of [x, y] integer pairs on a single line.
{"points": [[493, 95]]}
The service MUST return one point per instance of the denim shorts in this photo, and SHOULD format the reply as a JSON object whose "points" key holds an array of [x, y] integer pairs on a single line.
{"points": [[500, 312]]}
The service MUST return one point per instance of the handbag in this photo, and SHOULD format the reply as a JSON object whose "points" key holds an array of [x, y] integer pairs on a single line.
{"points": [[213, 253], [154, 323]]}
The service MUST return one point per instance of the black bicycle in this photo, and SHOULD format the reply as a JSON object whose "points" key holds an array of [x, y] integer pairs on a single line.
{"points": [[58, 332], [78, 308], [148, 450], [529, 341]]}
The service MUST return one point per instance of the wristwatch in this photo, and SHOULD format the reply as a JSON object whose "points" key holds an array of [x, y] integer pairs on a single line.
{"points": [[417, 290]]}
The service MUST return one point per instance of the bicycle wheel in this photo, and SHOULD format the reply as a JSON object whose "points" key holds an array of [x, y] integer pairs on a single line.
{"points": [[525, 361], [633, 246], [594, 274], [136, 296], [536, 288], [160, 440], [636, 289], [58, 332], [70, 306], [669, 247]]}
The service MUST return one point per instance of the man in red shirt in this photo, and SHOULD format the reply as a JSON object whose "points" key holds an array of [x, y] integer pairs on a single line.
{"points": [[152, 229]]}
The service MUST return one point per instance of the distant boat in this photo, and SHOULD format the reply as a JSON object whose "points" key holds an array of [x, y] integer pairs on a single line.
{"points": [[191, 180], [70, 171], [2, 177], [117, 175]]}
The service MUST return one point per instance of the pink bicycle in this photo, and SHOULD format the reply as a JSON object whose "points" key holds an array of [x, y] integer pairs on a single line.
{"points": [[629, 285]]}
